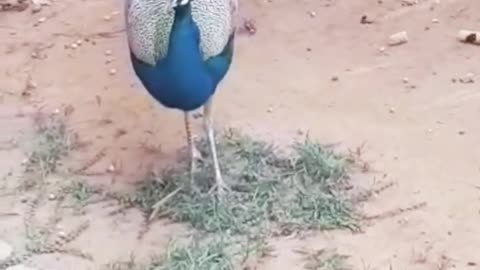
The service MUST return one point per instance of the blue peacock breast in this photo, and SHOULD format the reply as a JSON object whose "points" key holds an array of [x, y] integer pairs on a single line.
{"points": [[181, 85], [181, 79]]}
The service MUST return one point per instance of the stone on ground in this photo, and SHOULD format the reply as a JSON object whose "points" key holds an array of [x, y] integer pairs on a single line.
{"points": [[5, 250]]}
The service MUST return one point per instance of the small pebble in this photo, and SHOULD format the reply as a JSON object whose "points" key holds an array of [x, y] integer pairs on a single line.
{"points": [[79, 42], [36, 8], [5, 250], [112, 71], [31, 85], [25, 161], [108, 52], [469, 78], [111, 168], [402, 221], [334, 79], [312, 14], [107, 17], [405, 80], [409, 2], [435, 21], [52, 197], [365, 20], [74, 46], [398, 38], [270, 110], [392, 110]]}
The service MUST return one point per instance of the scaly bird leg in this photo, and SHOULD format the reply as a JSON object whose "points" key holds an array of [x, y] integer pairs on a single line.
{"points": [[193, 151], [208, 125], [194, 155]]}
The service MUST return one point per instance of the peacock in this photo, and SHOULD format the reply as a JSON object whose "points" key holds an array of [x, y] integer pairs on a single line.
{"points": [[181, 50]]}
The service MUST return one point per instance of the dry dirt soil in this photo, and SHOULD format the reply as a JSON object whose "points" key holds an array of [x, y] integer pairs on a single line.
{"points": [[310, 66]]}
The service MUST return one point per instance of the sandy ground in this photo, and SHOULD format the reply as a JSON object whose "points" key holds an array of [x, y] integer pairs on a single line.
{"points": [[424, 134]]}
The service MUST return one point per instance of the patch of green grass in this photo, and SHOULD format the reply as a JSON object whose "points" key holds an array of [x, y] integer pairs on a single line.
{"points": [[78, 192], [206, 255], [200, 253], [305, 189], [273, 192], [213, 252], [50, 143]]}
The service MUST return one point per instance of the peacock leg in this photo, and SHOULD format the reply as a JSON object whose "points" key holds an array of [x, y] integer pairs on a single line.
{"points": [[193, 151], [194, 154], [208, 125]]}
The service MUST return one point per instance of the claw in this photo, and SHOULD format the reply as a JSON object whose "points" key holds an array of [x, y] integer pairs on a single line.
{"points": [[220, 186]]}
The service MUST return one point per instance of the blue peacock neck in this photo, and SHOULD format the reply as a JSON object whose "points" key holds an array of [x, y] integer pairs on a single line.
{"points": [[185, 35], [186, 82], [183, 10]]}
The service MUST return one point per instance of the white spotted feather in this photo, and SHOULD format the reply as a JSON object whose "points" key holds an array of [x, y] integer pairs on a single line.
{"points": [[149, 24]]}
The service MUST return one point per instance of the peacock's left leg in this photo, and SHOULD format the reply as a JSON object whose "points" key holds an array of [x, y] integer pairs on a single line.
{"points": [[208, 125], [194, 154]]}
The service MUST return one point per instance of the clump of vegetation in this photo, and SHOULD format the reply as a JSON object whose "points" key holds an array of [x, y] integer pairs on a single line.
{"points": [[201, 255], [215, 252], [51, 142], [273, 192], [306, 189]]}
